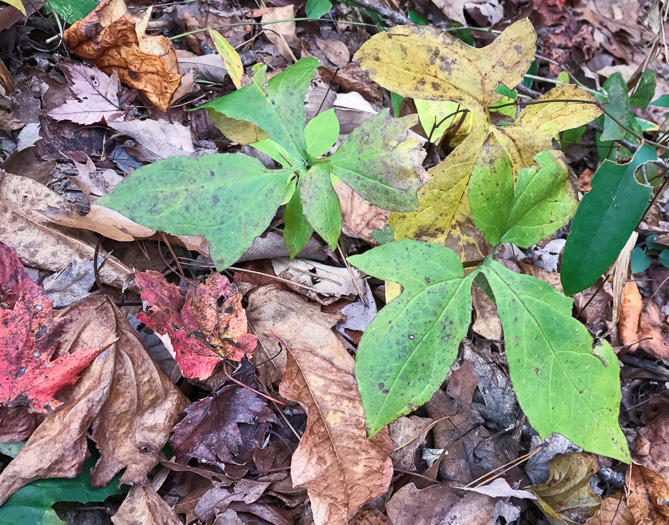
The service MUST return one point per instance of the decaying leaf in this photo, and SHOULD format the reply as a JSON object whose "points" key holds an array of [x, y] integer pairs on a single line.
{"points": [[652, 445], [648, 494], [407, 434], [144, 505], [341, 468], [131, 404], [157, 139], [652, 334], [201, 328], [32, 368], [629, 315], [117, 43], [613, 511]]}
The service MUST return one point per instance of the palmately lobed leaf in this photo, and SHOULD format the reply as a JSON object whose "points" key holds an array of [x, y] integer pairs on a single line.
{"points": [[563, 381], [228, 198], [405, 354]]}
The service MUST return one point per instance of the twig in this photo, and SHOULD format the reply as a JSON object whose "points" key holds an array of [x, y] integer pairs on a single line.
{"points": [[394, 16]]}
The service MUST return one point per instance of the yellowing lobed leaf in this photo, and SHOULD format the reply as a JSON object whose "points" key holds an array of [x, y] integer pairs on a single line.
{"points": [[427, 63]]}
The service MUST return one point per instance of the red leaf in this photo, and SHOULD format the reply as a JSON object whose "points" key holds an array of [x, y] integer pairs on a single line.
{"points": [[203, 328], [29, 336]]}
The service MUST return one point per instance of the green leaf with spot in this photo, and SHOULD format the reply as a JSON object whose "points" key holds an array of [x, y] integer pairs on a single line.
{"points": [[525, 214], [321, 204], [405, 354], [604, 221], [228, 198], [276, 105], [379, 162], [564, 382]]}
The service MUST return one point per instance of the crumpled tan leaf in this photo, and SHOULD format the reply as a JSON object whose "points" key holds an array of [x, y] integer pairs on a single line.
{"points": [[131, 404], [115, 42], [341, 468], [144, 505]]}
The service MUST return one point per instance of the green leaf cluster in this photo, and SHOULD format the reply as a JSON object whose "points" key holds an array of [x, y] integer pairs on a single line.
{"points": [[230, 199], [564, 382]]}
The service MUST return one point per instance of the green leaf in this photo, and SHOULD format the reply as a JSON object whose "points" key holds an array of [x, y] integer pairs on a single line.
{"points": [[505, 91], [662, 102], [664, 257], [405, 354], [378, 162], [272, 149], [317, 8], [645, 91], [564, 384], [618, 106], [32, 505], [297, 230], [276, 106], [639, 261], [321, 133], [396, 101], [228, 198], [383, 236], [321, 204], [72, 10], [604, 221], [537, 207]]}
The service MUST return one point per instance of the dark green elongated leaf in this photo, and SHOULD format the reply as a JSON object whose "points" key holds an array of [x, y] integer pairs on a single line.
{"points": [[645, 91], [563, 384], [228, 198], [604, 221], [379, 164], [537, 207], [296, 230], [276, 106], [321, 204], [618, 106], [405, 354], [321, 133], [32, 505]]}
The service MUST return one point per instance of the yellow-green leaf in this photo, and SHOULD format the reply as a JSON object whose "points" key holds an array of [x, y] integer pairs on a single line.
{"points": [[230, 57], [426, 63], [17, 4]]}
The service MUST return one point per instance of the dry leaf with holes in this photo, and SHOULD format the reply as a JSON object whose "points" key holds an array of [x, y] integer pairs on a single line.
{"points": [[116, 42]]}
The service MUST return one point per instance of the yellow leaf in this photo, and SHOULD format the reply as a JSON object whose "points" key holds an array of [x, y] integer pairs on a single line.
{"points": [[438, 117], [17, 4], [230, 57], [239, 131], [426, 63]]}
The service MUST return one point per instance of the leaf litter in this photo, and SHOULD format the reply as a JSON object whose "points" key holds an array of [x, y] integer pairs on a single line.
{"points": [[281, 437]]}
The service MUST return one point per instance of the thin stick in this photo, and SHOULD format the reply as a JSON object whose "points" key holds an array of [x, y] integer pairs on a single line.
{"points": [[426, 429], [506, 467]]}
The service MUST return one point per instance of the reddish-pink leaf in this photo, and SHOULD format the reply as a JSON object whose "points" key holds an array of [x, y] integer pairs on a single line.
{"points": [[203, 328], [28, 339]]}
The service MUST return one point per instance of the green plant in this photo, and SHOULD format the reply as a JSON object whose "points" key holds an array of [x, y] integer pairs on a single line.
{"points": [[231, 198]]}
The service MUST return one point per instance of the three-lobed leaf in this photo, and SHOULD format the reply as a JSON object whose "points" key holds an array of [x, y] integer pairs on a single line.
{"points": [[405, 354], [564, 383], [604, 221], [228, 198]]}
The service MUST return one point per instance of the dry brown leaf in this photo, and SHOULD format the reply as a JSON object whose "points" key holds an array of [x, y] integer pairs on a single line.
{"points": [[648, 494], [369, 516], [282, 35], [620, 270], [613, 511], [630, 313], [652, 445], [117, 43], [654, 331], [359, 217], [335, 51], [341, 468], [131, 404], [144, 505], [487, 323], [351, 77], [18, 423], [42, 245], [438, 504], [297, 322], [235, 34], [408, 433]]}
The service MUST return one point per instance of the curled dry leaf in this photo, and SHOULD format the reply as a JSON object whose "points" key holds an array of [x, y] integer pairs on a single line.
{"points": [[613, 511], [117, 43], [648, 493], [359, 216], [341, 468], [144, 505], [32, 369], [201, 328], [281, 34], [42, 245], [131, 404], [652, 335], [630, 313], [408, 433]]}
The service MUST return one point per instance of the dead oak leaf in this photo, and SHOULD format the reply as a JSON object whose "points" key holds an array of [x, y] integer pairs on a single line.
{"points": [[341, 468], [144, 505], [31, 370], [202, 328], [117, 43]]}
